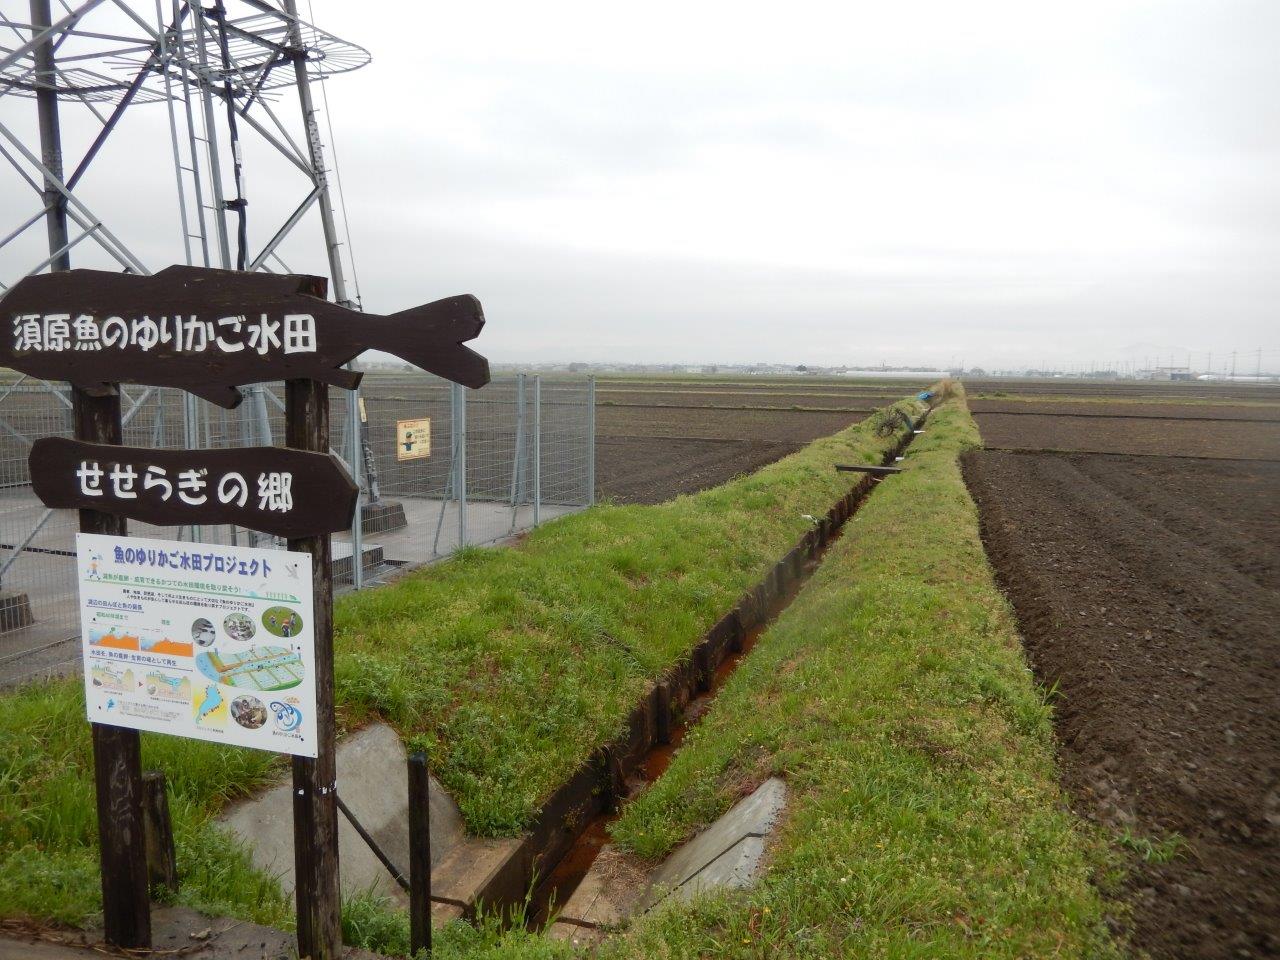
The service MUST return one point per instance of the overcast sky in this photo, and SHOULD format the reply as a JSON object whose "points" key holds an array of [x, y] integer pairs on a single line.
{"points": [[843, 182]]}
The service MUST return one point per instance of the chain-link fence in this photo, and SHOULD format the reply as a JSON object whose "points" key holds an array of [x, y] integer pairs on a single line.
{"points": [[439, 467]]}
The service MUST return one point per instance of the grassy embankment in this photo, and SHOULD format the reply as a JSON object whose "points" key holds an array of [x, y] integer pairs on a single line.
{"points": [[925, 819], [508, 666], [893, 695]]}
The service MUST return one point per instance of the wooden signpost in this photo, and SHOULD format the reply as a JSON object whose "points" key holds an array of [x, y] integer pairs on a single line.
{"points": [[210, 332], [287, 493]]}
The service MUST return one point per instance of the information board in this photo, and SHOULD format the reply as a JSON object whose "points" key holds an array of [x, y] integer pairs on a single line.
{"points": [[199, 640], [413, 439]]}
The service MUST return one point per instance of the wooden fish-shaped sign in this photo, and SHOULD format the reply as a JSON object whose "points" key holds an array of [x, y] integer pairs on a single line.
{"points": [[210, 331]]}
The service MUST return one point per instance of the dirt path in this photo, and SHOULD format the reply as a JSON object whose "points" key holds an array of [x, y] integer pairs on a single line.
{"points": [[1147, 592]]}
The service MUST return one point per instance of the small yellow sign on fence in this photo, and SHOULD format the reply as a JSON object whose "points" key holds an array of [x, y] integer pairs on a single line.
{"points": [[413, 439]]}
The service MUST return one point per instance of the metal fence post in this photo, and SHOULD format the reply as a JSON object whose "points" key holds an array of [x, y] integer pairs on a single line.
{"points": [[460, 464], [518, 458], [190, 433], [537, 449], [354, 456], [591, 441]]}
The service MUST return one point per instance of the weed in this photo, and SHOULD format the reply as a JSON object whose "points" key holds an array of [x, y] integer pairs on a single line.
{"points": [[1160, 850]]}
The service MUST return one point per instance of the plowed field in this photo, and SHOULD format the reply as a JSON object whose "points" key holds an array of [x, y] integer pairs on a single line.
{"points": [[1148, 593], [657, 439]]}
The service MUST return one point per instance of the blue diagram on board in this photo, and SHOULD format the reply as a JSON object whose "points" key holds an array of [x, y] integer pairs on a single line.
{"points": [[288, 717], [212, 701], [260, 668]]}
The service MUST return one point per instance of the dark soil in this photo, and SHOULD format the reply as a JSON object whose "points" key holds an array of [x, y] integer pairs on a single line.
{"points": [[1170, 437], [774, 426], [1147, 593], [812, 398], [653, 469], [654, 444], [1135, 409], [1123, 389]]}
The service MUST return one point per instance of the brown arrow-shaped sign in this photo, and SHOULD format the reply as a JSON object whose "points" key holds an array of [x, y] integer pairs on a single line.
{"points": [[288, 493]]}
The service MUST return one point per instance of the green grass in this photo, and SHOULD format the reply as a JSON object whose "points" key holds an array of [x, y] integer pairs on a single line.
{"points": [[925, 820], [508, 666], [513, 666], [1158, 850], [48, 824]]}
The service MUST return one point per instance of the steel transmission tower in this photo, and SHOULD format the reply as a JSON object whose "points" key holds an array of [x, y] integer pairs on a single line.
{"points": [[223, 73]]}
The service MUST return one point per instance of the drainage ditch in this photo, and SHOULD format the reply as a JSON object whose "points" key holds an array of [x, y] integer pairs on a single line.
{"points": [[573, 826]]}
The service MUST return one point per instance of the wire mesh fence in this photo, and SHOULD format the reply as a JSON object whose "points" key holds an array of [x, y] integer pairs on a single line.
{"points": [[478, 467]]}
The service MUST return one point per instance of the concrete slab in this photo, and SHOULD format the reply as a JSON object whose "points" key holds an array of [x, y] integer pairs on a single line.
{"points": [[729, 853], [470, 868], [609, 893], [372, 783]]}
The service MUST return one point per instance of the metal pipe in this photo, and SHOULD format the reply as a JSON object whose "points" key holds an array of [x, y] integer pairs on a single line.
{"points": [[460, 484], [289, 224], [26, 542], [316, 150], [19, 230], [517, 461], [537, 449], [55, 203], [239, 204], [76, 210], [591, 441], [396, 873], [62, 254], [210, 136], [42, 38], [357, 525], [191, 436]]}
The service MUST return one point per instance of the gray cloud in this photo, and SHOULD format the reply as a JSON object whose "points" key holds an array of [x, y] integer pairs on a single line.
{"points": [[999, 182]]}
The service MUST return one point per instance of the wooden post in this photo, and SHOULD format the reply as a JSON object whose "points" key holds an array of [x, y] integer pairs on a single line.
{"points": [[162, 859], [662, 714], [315, 809], [702, 672], [419, 855], [736, 634], [117, 752]]}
